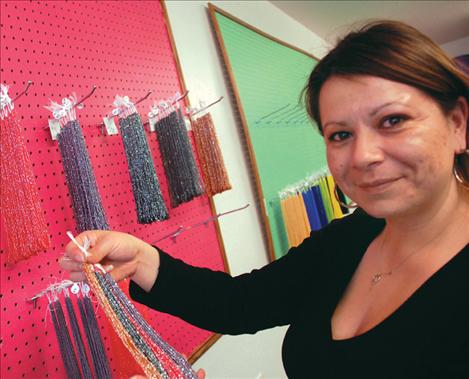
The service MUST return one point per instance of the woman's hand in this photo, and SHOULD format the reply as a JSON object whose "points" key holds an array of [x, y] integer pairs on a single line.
{"points": [[121, 254]]}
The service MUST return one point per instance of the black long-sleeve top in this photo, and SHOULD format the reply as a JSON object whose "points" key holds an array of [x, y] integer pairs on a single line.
{"points": [[426, 337]]}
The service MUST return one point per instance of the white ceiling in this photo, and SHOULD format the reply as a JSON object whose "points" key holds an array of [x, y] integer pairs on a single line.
{"points": [[443, 21]]}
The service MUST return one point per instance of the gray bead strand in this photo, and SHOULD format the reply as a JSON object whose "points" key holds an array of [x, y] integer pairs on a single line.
{"points": [[184, 180], [182, 363], [145, 185], [139, 342], [98, 355]]}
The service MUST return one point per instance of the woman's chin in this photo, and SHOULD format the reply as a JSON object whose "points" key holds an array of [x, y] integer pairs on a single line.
{"points": [[382, 210]]}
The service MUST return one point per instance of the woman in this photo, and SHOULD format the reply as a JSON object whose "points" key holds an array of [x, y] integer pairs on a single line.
{"points": [[377, 294]]}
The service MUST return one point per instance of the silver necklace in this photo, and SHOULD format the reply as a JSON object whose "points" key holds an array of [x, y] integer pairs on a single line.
{"points": [[381, 275]]}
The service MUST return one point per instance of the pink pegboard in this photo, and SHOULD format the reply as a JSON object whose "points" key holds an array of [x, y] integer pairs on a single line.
{"points": [[121, 47]]}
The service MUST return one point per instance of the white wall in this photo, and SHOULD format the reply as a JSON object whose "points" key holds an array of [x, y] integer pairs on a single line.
{"points": [[457, 47], [240, 356]]}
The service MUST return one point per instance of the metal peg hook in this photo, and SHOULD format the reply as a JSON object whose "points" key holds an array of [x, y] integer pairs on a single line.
{"points": [[24, 92], [53, 287], [272, 113], [86, 97], [181, 97], [144, 97], [206, 107]]}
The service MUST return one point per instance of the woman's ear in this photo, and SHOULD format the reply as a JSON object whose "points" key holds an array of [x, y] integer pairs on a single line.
{"points": [[458, 119]]}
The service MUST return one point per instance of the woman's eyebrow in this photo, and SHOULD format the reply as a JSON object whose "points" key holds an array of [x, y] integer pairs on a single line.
{"points": [[341, 123], [378, 108], [372, 113]]}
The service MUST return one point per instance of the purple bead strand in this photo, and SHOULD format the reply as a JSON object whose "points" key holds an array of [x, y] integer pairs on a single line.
{"points": [[65, 342], [80, 346], [86, 200]]}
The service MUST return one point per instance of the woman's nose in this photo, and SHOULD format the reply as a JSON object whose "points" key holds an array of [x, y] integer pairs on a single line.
{"points": [[367, 149]]}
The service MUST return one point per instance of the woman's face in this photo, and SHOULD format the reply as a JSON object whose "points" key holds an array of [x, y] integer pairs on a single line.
{"points": [[389, 146]]}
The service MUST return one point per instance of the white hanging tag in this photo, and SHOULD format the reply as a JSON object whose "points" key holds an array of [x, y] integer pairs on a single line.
{"points": [[75, 289], [188, 124], [152, 123], [85, 288], [6, 105], [110, 125], [54, 126]]}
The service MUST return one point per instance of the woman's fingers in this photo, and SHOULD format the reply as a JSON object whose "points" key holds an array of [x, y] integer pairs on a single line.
{"points": [[105, 244], [75, 268], [68, 264], [100, 246], [74, 252], [120, 271], [107, 248]]}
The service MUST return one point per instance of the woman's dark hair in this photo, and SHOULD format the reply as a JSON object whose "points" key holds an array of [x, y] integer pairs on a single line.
{"points": [[395, 51]]}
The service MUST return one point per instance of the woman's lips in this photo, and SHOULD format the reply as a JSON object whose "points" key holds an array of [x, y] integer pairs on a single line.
{"points": [[377, 185]]}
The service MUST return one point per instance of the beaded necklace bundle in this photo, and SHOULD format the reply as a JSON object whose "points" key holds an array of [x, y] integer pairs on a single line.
{"points": [[178, 159], [211, 159], [86, 200], [146, 188], [78, 365], [156, 358], [23, 217]]}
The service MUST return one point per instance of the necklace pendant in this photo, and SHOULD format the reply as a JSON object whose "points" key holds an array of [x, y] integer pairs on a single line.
{"points": [[376, 278], [380, 275]]}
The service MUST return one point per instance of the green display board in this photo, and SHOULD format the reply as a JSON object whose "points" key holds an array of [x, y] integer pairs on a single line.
{"points": [[268, 77]]}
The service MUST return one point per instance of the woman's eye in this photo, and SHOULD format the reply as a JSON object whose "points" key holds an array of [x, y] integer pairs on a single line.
{"points": [[393, 120], [339, 136]]}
